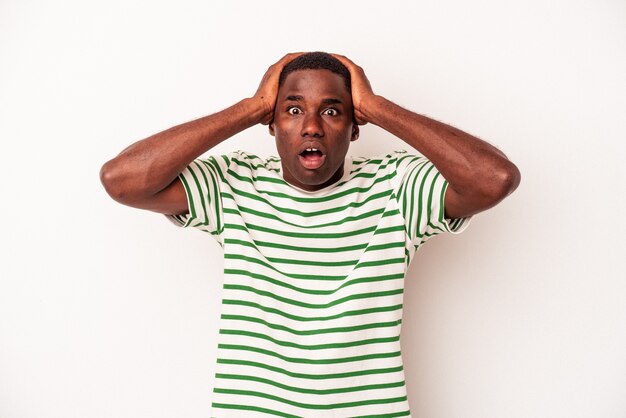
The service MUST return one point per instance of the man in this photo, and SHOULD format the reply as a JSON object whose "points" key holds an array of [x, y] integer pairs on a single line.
{"points": [[316, 245]]}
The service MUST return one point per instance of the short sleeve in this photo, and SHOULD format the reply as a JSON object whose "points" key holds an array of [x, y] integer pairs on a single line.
{"points": [[203, 180], [420, 192]]}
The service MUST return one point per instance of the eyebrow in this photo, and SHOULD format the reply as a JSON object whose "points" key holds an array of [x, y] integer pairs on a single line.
{"points": [[330, 100]]}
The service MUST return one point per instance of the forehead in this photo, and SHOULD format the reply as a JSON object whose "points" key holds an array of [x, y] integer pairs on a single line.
{"points": [[314, 83]]}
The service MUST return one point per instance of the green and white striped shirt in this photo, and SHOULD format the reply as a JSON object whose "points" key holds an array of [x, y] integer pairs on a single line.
{"points": [[313, 281]]}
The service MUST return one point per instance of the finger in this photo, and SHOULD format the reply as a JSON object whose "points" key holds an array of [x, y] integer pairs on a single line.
{"points": [[344, 60], [288, 58], [294, 54], [275, 69]]}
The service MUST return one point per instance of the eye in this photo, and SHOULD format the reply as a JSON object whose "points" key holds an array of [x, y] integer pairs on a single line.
{"points": [[331, 112], [292, 110]]}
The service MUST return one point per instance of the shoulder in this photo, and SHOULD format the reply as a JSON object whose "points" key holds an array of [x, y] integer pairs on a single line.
{"points": [[249, 168], [382, 164], [237, 161], [394, 157], [251, 161]]}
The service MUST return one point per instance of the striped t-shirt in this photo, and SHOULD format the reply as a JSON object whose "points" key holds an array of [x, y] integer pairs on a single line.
{"points": [[313, 281]]}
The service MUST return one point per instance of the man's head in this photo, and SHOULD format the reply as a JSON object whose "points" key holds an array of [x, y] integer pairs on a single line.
{"points": [[316, 61], [313, 120]]}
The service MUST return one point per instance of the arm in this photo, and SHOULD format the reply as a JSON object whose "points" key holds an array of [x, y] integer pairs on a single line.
{"points": [[144, 175], [479, 175]]}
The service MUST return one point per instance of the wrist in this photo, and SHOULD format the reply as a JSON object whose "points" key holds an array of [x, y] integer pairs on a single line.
{"points": [[261, 109], [258, 110], [369, 106]]}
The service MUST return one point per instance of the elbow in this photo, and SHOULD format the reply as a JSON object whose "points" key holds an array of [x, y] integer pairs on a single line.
{"points": [[490, 186], [108, 180], [505, 181], [511, 179], [112, 178]]}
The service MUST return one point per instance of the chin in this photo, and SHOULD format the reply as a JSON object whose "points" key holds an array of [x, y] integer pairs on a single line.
{"points": [[320, 180]]}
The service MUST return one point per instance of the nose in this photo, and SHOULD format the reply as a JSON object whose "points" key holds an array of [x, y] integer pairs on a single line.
{"points": [[312, 126]]}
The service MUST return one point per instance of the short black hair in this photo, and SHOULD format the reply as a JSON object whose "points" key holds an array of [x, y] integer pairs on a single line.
{"points": [[317, 61]]}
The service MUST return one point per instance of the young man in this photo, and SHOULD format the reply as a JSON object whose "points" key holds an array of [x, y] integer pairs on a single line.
{"points": [[316, 245]]}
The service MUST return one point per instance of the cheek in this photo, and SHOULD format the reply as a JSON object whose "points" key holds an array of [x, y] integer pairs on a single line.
{"points": [[283, 133], [340, 128], [284, 148]]}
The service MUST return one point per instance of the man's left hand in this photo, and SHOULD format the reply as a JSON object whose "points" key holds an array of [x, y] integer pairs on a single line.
{"points": [[362, 92]]}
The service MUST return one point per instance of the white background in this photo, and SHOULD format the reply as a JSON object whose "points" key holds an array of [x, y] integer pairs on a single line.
{"points": [[111, 312]]}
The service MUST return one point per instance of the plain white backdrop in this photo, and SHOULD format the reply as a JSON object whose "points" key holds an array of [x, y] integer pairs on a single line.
{"points": [[111, 312]]}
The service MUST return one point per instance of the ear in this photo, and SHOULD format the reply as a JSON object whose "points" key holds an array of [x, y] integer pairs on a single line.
{"points": [[355, 132], [270, 126]]}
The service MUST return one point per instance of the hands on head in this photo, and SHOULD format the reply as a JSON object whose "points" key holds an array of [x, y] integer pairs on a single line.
{"points": [[145, 174], [268, 88], [361, 89]]}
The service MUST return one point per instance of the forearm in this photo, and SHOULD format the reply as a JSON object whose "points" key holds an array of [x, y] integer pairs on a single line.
{"points": [[150, 165], [470, 165]]}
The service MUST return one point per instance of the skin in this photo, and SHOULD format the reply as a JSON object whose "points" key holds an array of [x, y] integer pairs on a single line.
{"points": [[479, 175], [144, 175], [313, 110]]}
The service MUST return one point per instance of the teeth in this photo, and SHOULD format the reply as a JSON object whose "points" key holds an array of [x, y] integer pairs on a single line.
{"points": [[311, 149]]}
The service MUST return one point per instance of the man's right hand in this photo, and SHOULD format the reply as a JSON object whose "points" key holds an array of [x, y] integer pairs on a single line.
{"points": [[145, 175], [268, 89]]}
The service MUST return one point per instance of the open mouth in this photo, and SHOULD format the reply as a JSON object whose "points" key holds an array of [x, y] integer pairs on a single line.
{"points": [[312, 158]]}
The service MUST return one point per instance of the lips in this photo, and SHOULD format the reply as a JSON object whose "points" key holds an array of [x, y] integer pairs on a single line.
{"points": [[311, 157]]}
